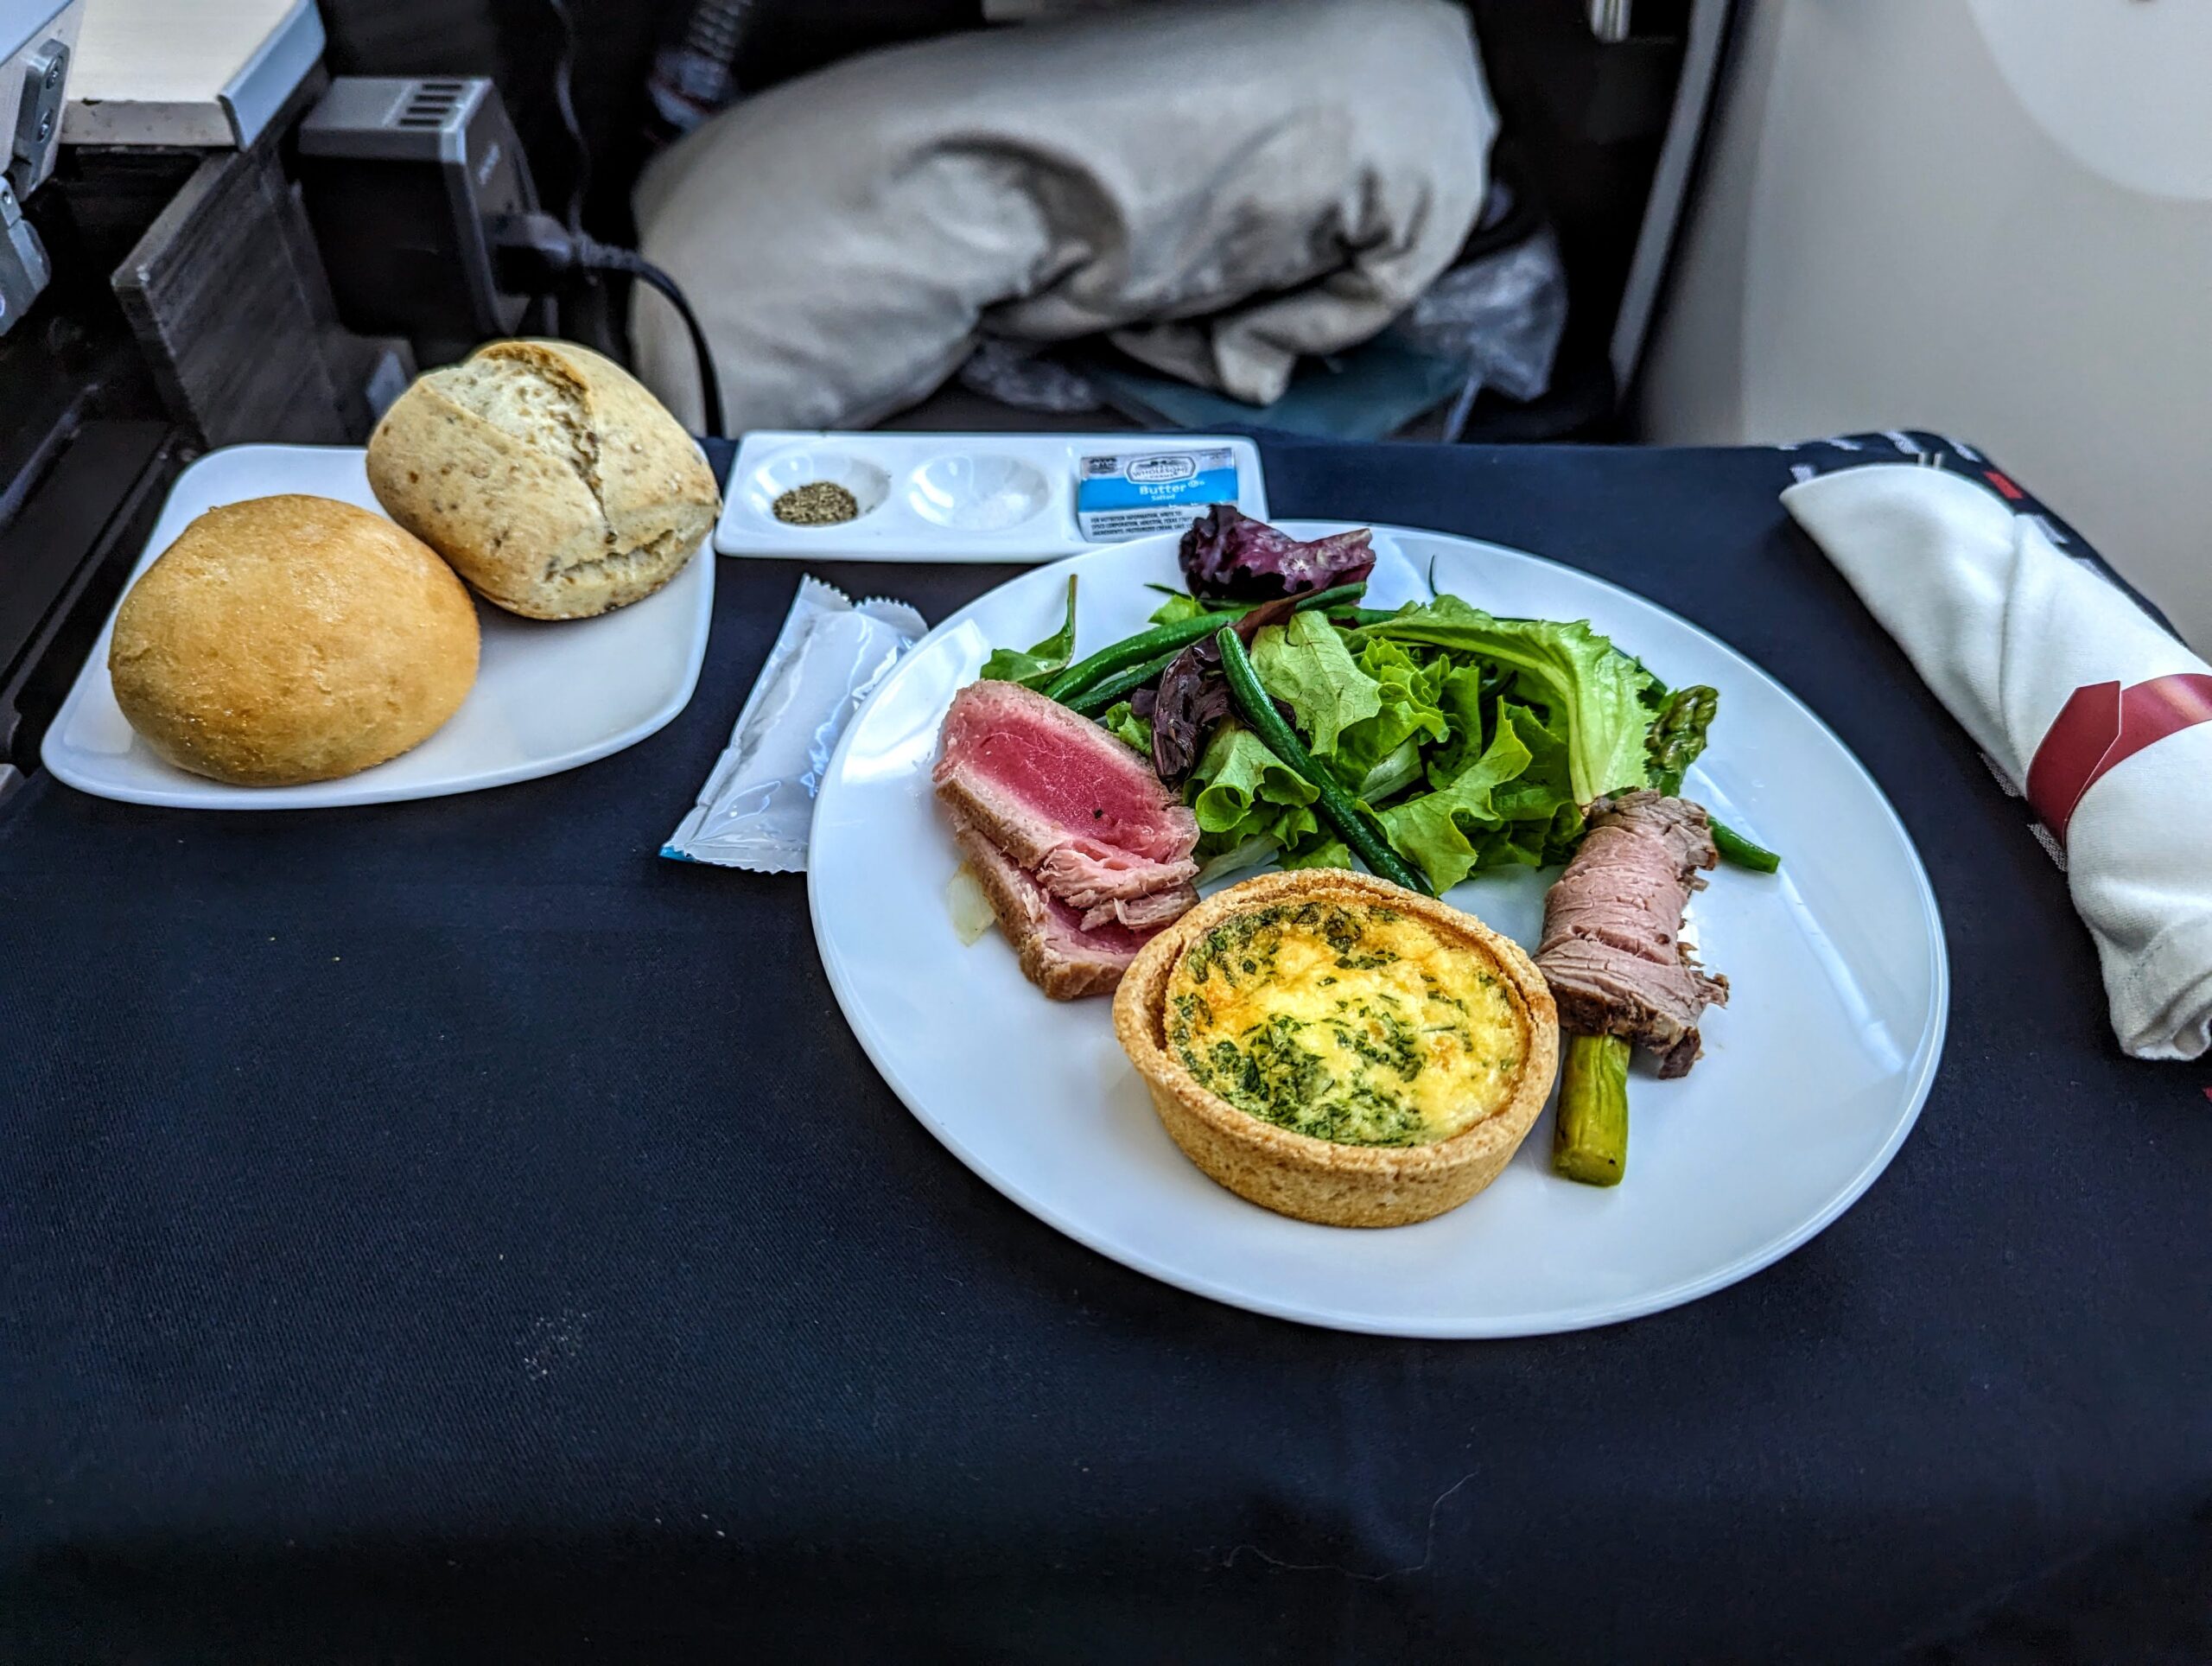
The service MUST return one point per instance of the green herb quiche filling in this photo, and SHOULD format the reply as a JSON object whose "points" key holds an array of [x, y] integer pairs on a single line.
{"points": [[1354, 1023]]}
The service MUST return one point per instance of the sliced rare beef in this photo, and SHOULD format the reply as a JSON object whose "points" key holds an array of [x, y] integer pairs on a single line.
{"points": [[1077, 868], [1146, 913], [1613, 949], [1060, 953], [1087, 873], [1042, 778], [1089, 854]]}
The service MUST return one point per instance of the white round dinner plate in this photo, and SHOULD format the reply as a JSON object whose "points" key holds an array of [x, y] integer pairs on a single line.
{"points": [[1812, 1078]]}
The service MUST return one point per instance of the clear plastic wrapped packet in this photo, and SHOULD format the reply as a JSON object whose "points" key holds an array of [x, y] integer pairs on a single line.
{"points": [[757, 807]]}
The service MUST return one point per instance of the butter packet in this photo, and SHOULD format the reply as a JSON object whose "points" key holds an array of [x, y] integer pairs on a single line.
{"points": [[757, 809], [1132, 494]]}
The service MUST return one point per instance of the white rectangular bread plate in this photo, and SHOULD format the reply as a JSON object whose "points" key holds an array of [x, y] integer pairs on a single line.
{"points": [[549, 695], [937, 497]]}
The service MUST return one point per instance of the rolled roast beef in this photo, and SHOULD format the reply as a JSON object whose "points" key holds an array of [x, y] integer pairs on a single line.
{"points": [[1613, 949]]}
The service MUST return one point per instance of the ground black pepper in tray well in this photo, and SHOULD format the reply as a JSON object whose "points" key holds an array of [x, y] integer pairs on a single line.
{"points": [[816, 502]]}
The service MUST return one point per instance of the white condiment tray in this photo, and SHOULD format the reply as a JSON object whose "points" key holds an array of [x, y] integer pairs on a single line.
{"points": [[937, 497]]}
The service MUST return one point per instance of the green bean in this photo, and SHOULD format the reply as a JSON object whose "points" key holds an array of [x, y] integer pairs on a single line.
{"points": [[1740, 850], [1104, 692], [1166, 638], [1353, 822], [1211, 604], [1130, 651], [1590, 1130], [1339, 597]]}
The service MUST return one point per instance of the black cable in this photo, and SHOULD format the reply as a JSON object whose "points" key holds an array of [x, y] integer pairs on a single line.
{"points": [[534, 251], [710, 390], [564, 100]]}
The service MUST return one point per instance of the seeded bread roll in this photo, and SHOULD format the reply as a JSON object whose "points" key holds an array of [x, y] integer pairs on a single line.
{"points": [[549, 477], [291, 639]]}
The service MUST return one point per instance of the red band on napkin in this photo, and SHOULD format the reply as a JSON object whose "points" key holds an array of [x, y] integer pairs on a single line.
{"points": [[2101, 723]]}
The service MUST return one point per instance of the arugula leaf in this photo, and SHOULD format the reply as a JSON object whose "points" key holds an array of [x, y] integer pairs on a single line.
{"points": [[1305, 662], [1124, 725], [1572, 671], [1041, 665], [1433, 829]]}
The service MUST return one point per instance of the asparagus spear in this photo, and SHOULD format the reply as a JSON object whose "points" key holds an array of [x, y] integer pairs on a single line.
{"points": [[1735, 847], [1672, 744], [1676, 736], [1590, 1143]]}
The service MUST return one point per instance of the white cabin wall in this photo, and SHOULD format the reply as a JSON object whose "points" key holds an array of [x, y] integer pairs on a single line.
{"points": [[1991, 218]]}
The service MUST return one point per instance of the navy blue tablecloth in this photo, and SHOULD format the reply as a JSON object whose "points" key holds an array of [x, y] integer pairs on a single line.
{"points": [[449, 1230]]}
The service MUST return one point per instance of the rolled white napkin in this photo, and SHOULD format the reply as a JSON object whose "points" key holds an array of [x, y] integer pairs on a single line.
{"points": [[2008, 631]]}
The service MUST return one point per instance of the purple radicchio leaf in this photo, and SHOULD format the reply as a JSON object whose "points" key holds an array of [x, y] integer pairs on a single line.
{"points": [[1194, 695], [1227, 553]]}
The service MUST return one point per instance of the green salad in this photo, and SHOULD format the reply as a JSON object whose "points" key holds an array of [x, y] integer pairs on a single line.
{"points": [[1466, 740]]}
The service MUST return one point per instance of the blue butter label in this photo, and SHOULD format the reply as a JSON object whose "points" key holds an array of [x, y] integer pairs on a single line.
{"points": [[1128, 494]]}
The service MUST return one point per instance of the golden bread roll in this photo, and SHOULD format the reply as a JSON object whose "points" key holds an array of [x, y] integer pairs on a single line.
{"points": [[291, 639], [549, 477]]}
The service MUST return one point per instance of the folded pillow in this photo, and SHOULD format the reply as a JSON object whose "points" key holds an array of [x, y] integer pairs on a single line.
{"points": [[1236, 183]]}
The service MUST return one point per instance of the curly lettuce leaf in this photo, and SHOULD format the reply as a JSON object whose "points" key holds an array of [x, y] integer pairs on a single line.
{"points": [[1574, 672], [1267, 831], [1472, 741], [1121, 722], [1369, 755], [1434, 831], [1240, 789], [1177, 608], [1464, 695], [1305, 663], [1414, 680], [1542, 821], [1248, 803], [1035, 667], [1324, 852], [1214, 862], [1388, 779]]}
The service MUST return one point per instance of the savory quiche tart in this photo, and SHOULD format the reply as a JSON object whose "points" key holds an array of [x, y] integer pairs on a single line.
{"points": [[1338, 1049]]}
